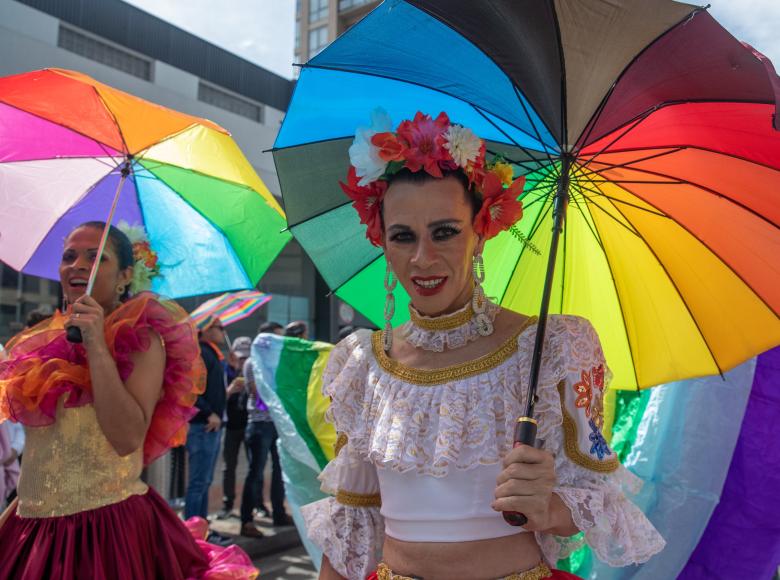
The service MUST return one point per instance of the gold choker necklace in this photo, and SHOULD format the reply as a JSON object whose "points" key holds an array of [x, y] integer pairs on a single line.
{"points": [[444, 322], [449, 331]]}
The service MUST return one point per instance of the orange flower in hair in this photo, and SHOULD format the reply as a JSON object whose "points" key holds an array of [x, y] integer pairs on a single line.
{"points": [[500, 208]]}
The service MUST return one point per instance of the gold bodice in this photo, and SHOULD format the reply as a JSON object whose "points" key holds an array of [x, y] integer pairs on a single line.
{"points": [[70, 467]]}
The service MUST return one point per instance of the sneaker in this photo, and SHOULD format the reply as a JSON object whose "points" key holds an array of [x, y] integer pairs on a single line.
{"points": [[265, 511], [224, 514], [248, 530], [218, 539]]}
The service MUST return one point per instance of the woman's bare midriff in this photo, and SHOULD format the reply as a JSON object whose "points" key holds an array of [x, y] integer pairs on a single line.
{"points": [[478, 560]]}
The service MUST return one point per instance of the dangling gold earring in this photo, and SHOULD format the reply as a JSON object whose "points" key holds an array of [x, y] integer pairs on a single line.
{"points": [[478, 300], [390, 284]]}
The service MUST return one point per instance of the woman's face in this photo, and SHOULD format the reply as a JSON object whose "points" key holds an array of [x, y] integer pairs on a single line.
{"points": [[430, 242], [78, 256]]}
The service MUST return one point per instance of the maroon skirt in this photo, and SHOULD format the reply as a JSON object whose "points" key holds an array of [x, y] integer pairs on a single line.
{"points": [[138, 538]]}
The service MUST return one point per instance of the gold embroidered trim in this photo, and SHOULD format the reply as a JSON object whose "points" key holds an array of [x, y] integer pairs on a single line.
{"points": [[353, 499], [431, 377], [341, 441], [383, 572], [571, 439], [446, 322], [538, 573]]}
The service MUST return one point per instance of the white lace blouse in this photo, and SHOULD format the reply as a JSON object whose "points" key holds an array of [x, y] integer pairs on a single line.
{"points": [[441, 423]]}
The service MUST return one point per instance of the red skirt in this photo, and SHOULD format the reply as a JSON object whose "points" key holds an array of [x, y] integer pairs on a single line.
{"points": [[140, 537], [556, 575]]}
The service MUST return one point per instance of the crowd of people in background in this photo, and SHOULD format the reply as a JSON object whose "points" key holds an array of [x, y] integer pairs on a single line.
{"points": [[231, 404]]}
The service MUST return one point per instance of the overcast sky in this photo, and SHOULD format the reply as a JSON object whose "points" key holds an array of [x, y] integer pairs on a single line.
{"points": [[263, 31]]}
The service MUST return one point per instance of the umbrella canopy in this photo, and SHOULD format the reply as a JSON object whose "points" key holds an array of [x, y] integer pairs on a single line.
{"points": [[231, 306], [657, 127], [64, 138]]}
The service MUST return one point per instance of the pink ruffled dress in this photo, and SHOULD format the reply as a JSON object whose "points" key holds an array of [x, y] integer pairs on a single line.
{"points": [[83, 510]]}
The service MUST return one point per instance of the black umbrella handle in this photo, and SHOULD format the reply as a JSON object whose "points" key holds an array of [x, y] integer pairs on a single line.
{"points": [[525, 434], [73, 334], [525, 428]]}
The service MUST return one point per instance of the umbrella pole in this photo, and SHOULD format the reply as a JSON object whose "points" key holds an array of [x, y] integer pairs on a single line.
{"points": [[525, 428], [73, 333]]}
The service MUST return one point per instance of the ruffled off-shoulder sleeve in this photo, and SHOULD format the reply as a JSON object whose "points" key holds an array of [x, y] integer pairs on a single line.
{"points": [[347, 527], [591, 481], [130, 330], [43, 367]]}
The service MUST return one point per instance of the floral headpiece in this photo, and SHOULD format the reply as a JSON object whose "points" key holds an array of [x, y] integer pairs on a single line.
{"points": [[433, 146], [146, 266]]}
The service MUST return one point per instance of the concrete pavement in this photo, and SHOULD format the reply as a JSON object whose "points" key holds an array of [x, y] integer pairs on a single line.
{"points": [[292, 564]]}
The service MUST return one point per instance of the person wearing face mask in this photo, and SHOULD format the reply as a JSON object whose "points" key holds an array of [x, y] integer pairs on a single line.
{"points": [[425, 465], [95, 414]]}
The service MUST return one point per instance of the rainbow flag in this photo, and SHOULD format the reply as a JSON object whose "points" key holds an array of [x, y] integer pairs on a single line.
{"points": [[230, 307], [288, 373]]}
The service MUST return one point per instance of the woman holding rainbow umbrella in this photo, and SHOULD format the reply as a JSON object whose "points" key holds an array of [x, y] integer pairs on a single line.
{"points": [[641, 139], [101, 403]]}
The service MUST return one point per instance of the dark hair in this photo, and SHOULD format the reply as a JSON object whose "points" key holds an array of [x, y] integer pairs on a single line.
{"points": [[121, 244], [36, 317], [418, 177], [296, 329], [345, 331], [270, 327]]}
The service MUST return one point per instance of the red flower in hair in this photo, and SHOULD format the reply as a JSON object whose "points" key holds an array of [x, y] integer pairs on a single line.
{"points": [[500, 208], [390, 148], [424, 140], [366, 200]]}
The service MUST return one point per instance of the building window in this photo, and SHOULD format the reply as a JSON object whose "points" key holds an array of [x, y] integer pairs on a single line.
{"points": [[103, 52], [31, 284], [230, 102], [297, 37], [10, 277], [345, 5], [318, 10], [318, 39]]}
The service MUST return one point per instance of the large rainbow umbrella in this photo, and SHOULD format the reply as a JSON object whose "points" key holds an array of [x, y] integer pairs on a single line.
{"points": [[649, 140], [68, 144]]}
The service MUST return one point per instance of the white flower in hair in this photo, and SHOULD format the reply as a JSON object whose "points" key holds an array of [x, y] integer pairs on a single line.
{"points": [[145, 266], [462, 144], [363, 155]]}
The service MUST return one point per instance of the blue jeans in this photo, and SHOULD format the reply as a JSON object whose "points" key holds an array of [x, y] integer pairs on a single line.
{"points": [[202, 452], [260, 440]]}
